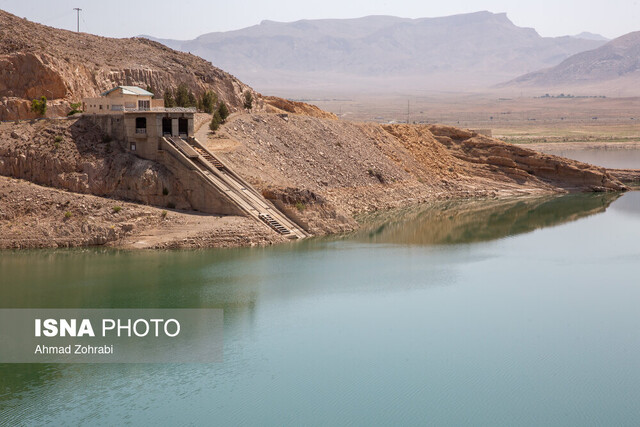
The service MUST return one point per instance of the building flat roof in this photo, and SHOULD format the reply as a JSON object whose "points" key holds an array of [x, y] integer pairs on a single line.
{"points": [[129, 90], [160, 110]]}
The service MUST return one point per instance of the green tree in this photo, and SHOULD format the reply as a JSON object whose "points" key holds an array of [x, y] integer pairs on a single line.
{"points": [[223, 110], [182, 95], [169, 100], [191, 100], [39, 106], [207, 102], [248, 100], [216, 120]]}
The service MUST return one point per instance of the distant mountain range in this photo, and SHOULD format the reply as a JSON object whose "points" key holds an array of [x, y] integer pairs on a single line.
{"points": [[384, 53], [591, 36], [613, 68]]}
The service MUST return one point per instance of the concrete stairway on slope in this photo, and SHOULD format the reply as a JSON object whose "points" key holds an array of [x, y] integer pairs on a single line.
{"points": [[247, 198]]}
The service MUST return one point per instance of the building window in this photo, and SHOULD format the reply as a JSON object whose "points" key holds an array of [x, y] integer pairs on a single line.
{"points": [[133, 146], [144, 105], [141, 125], [183, 126], [101, 106]]}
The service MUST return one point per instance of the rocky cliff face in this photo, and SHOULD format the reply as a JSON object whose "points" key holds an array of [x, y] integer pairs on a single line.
{"points": [[36, 60], [521, 164]]}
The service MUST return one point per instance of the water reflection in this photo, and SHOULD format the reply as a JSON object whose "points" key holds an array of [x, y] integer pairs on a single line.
{"points": [[455, 222], [100, 278]]}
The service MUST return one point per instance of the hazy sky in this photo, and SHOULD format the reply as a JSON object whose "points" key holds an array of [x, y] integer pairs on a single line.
{"points": [[186, 19]]}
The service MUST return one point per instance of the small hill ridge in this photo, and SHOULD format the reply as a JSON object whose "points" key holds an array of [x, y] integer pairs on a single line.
{"points": [[37, 60]]}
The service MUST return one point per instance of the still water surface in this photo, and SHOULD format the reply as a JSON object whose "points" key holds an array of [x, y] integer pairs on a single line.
{"points": [[521, 312], [608, 156]]}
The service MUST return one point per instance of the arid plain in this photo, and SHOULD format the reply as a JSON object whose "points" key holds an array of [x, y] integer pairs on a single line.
{"points": [[518, 119]]}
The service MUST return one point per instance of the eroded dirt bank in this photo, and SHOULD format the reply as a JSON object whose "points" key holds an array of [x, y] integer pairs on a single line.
{"points": [[321, 172]]}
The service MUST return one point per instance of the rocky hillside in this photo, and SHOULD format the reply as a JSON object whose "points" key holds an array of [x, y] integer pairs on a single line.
{"points": [[612, 68], [75, 155], [64, 66], [382, 53], [323, 172]]}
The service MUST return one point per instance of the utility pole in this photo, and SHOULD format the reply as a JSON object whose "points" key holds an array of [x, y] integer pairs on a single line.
{"points": [[77, 9]]}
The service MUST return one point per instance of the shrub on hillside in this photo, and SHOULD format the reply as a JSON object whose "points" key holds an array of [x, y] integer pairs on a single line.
{"points": [[248, 100], [39, 106], [75, 108]]}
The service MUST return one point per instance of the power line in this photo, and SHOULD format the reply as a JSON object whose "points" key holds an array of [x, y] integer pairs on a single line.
{"points": [[77, 9]]}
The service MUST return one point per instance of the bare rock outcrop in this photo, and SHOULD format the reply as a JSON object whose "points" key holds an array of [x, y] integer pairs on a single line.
{"points": [[627, 176], [28, 75], [527, 164]]}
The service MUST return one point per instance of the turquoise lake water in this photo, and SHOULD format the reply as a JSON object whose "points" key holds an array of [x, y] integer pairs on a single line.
{"points": [[518, 312]]}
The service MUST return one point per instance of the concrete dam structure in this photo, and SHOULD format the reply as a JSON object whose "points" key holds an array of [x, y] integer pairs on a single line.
{"points": [[166, 136]]}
